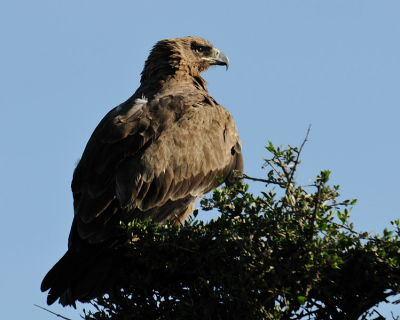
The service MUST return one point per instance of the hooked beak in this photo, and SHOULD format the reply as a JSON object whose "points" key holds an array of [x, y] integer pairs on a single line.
{"points": [[217, 58]]}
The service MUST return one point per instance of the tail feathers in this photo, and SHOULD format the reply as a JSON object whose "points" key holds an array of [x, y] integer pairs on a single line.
{"points": [[66, 299], [82, 275]]}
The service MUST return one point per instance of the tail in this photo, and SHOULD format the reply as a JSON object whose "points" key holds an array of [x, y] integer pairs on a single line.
{"points": [[82, 276]]}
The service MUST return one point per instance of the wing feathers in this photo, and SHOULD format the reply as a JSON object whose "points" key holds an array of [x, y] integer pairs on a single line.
{"points": [[152, 155], [89, 207], [87, 229]]}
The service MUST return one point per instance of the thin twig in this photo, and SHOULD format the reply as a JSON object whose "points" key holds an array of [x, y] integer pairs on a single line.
{"points": [[270, 163], [245, 176], [380, 316], [315, 211], [177, 218], [58, 315], [298, 156]]}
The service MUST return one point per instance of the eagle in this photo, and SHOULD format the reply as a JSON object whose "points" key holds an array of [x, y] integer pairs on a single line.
{"points": [[150, 156]]}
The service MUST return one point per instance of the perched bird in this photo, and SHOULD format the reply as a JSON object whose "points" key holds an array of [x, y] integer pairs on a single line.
{"points": [[151, 156]]}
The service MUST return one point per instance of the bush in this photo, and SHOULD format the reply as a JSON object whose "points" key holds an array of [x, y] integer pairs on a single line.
{"points": [[293, 256]]}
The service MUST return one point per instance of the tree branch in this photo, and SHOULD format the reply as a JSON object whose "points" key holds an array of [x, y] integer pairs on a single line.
{"points": [[58, 315]]}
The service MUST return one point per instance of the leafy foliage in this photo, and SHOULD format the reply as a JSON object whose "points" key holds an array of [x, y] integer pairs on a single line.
{"points": [[293, 256]]}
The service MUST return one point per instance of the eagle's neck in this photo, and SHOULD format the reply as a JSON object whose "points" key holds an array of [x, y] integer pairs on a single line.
{"points": [[166, 68], [156, 87], [177, 82], [164, 76]]}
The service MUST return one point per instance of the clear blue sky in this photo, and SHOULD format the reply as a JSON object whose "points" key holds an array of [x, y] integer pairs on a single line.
{"points": [[65, 64]]}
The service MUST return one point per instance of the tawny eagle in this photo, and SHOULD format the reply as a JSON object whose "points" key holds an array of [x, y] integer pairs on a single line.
{"points": [[151, 156]]}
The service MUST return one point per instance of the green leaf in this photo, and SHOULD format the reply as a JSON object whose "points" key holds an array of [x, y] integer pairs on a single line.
{"points": [[301, 299], [270, 147], [325, 176], [323, 226]]}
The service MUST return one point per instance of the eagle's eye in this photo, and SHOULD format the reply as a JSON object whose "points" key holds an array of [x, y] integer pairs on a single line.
{"points": [[197, 48]]}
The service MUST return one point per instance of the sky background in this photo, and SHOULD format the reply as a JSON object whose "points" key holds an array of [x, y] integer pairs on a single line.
{"points": [[65, 64]]}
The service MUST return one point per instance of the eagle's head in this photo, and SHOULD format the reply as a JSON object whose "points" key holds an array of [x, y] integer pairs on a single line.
{"points": [[183, 57]]}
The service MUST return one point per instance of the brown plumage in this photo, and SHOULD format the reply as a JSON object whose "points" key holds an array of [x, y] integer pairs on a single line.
{"points": [[151, 156]]}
